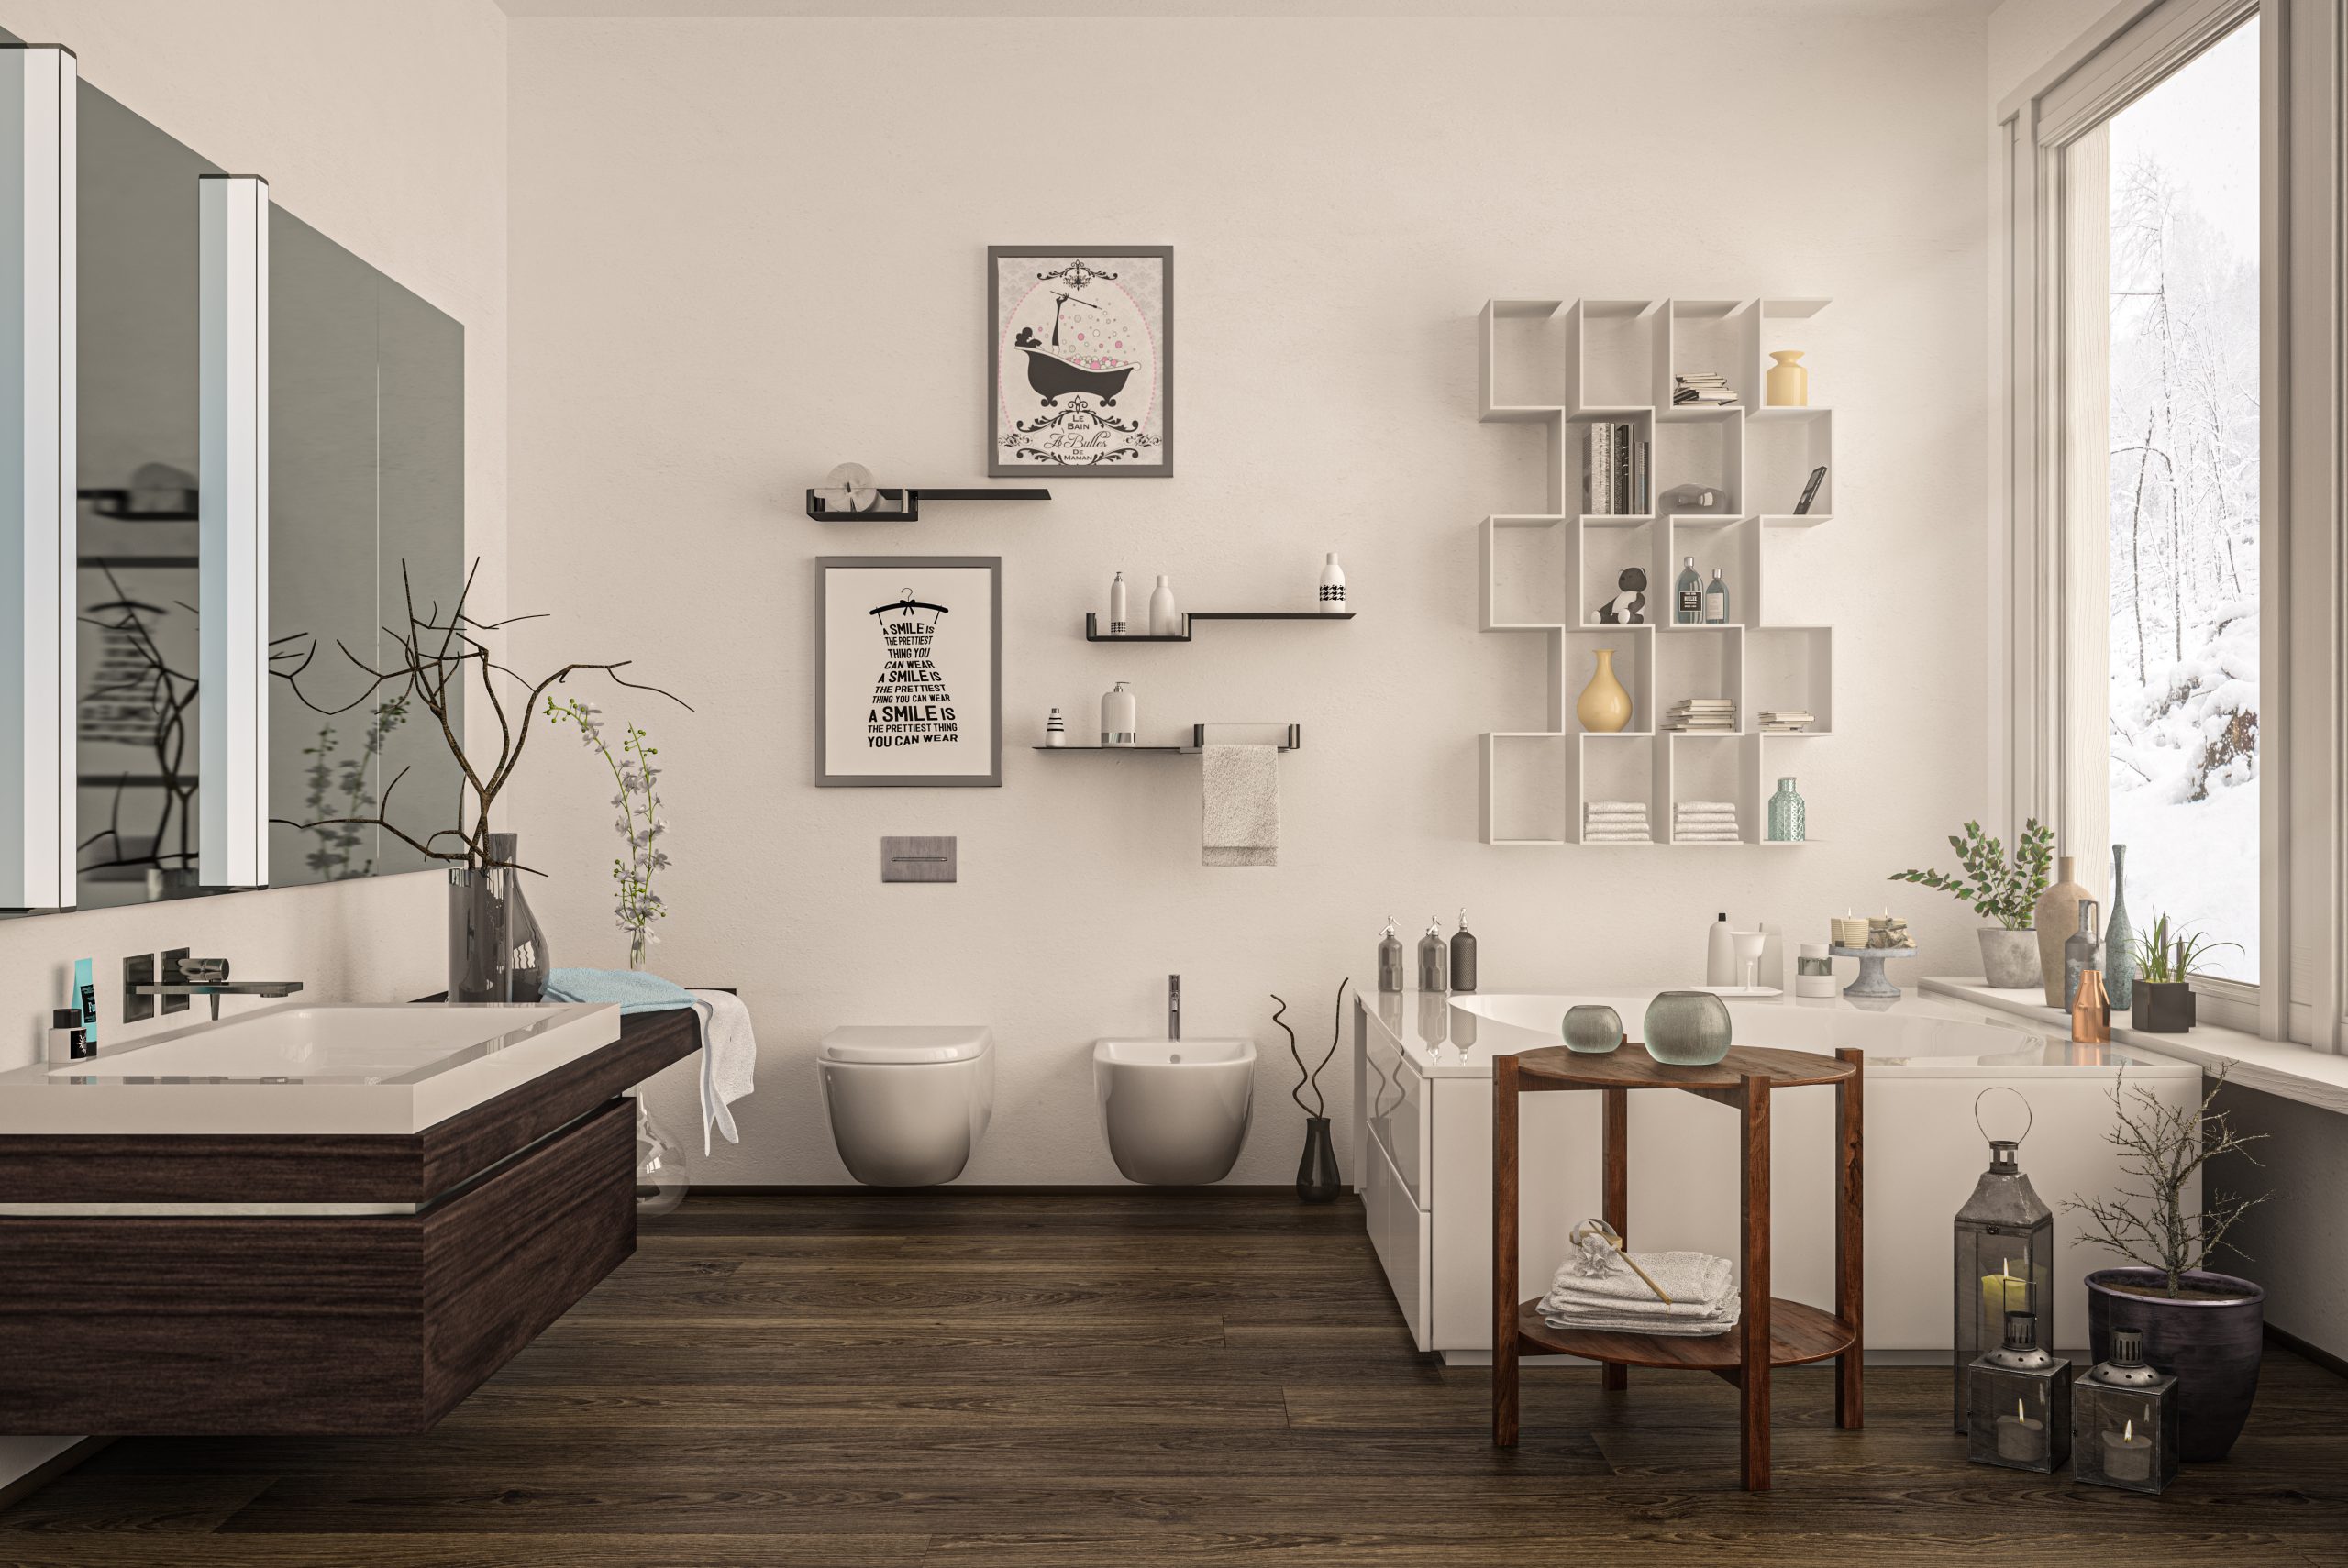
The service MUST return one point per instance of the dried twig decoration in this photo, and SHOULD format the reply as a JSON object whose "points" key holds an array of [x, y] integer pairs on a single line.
{"points": [[1310, 1078], [2164, 1146]]}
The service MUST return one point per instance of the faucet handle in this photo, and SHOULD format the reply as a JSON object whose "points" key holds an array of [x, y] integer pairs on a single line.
{"points": [[202, 971]]}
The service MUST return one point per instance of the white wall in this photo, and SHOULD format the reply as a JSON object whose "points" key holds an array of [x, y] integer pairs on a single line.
{"points": [[381, 122], [746, 250]]}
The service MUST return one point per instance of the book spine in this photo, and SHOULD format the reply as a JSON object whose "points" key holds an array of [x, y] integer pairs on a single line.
{"points": [[1639, 479], [1623, 471]]}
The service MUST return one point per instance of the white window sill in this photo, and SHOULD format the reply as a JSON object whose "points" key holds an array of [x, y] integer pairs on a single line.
{"points": [[2271, 1067]]}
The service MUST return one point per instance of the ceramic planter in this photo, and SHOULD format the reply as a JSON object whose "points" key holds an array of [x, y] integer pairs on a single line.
{"points": [[2163, 1006], [2010, 958], [2209, 1343]]}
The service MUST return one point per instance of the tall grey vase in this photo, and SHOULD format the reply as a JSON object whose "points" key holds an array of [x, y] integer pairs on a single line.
{"points": [[2120, 938]]}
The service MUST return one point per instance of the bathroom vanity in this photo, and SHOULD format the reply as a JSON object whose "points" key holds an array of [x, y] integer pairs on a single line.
{"points": [[312, 1220]]}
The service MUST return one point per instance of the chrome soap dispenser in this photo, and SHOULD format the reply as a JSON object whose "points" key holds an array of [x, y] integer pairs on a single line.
{"points": [[1389, 960]]}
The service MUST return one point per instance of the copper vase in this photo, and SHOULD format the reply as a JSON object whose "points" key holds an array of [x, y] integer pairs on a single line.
{"points": [[2091, 1011]]}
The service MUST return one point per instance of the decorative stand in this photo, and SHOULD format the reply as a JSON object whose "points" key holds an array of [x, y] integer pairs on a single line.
{"points": [[1771, 1333], [1872, 983]]}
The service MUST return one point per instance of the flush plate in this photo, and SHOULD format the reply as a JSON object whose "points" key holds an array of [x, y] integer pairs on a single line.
{"points": [[918, 859], [137, 970], [172, 956]]}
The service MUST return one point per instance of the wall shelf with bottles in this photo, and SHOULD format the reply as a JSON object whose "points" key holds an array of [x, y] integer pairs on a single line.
{"points": [[1571, 365], [1094, 633], [1282, 737]]}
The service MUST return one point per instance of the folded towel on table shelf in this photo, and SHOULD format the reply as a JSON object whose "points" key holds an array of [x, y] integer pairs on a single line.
{"points": [[1702, 1288], [1241, 795], [730, 1053]]}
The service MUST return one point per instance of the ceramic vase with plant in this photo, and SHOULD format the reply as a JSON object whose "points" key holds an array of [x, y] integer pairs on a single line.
{"points": [[2201, 1326], [1316, 1172], [2003, 890], [2166, 956]]}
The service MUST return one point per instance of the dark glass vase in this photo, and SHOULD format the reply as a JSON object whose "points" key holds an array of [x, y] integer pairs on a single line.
{"points": [[496, 951], [1316, 1174]]}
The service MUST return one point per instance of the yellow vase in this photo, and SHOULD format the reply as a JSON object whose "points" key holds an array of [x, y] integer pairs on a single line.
{"points": [[1788, 380], [1604, 707]]}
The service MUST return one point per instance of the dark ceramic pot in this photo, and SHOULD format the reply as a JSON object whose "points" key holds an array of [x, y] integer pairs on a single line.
{"points": [[2209, 1343], [2163, 1006], [1316, 1172]]}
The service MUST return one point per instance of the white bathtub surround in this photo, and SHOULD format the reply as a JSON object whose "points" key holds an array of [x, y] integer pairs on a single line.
{"points": [[1240, 796], [1175, 1112], [1423, 1108]]}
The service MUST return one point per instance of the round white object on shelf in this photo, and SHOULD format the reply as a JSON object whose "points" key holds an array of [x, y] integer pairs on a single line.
{"points": [[849, 488]]}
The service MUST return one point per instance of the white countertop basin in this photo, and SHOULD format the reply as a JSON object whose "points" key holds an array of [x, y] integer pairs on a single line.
{"points": [[307, 1067]]}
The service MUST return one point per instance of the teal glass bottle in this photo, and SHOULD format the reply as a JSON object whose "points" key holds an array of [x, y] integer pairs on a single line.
{"points": [[1788, 814], [1688, 596], [1716, 600], [2120, 938]]}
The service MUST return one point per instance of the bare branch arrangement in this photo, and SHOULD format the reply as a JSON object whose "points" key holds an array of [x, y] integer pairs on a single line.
{"points": [[2163, 1147], [148, 686], [1310, 1078], [438, 659]]}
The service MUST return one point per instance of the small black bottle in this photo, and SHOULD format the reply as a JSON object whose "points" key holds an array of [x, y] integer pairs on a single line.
{"points": [[1463, 956]]}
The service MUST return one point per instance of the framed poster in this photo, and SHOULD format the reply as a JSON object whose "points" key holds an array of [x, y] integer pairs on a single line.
{"points": [[1080, 362], [909, 669]]}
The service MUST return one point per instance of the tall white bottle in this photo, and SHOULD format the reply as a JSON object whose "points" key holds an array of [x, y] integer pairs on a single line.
{"points": [[1117, 626], [1720, 954], [1120, 717], [1164, 621], [1333, 587]]}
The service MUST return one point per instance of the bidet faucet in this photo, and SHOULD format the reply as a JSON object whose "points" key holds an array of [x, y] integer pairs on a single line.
{"points": [[1173, 1007]]}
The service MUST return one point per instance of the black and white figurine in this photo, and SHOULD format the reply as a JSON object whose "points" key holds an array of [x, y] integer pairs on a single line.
{"points": [[1628, 608]]}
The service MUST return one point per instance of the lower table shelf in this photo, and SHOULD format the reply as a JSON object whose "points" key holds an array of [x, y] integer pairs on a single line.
{"points": [[1798, 1333]]}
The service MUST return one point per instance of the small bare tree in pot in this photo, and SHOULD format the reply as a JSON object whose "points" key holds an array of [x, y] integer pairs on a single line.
{"points": [[2002, 890], [2203, 1326]]}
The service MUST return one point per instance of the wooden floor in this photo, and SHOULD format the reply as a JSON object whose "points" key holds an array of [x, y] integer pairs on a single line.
{"points": [[1116, 1382]]}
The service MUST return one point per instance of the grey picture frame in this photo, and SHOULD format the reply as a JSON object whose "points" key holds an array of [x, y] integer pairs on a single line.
{"points": [[825, 774], [996, 467]]}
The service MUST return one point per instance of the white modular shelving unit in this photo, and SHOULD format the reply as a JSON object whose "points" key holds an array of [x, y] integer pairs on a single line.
{"points": [[1548, 572]]}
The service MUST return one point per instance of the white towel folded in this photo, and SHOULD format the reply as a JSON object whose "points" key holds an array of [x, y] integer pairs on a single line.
{"points": [[729, 1060], [1639, 806], [1702, 1288], [1634, 813], [1707, 805], [1673, 1328]]}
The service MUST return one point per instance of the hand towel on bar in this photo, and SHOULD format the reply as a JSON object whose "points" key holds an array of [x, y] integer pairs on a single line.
{"points": [[729, 1061], [1240, 789]]}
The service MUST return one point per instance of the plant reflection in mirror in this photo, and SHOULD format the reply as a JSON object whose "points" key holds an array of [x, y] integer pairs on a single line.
{"points": [[338, 841]]}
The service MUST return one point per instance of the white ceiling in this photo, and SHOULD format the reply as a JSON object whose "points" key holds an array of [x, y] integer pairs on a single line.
{"points": [[1251, 8]]}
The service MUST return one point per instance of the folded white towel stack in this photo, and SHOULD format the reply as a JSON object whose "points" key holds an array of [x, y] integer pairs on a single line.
{"points": [[1705, 822], [1702, 1288], [1616, 821]]}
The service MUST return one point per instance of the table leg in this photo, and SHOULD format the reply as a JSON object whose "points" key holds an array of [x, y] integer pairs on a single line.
{"points": [[1504, 1252], [1850, 1240], [1753, 1376], [1616, 1121]]}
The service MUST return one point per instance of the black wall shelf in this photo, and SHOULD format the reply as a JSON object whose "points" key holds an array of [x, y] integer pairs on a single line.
{"points": [[1094, 633], [904, 505], [1292, 740]]}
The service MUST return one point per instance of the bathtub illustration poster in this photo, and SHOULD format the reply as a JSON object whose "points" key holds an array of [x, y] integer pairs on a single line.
{"points": [[908, 670], [1081, 365]]}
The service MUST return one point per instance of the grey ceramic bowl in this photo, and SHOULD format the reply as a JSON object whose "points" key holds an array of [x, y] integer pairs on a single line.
{"points": [[1592, 1029], [1686, 1029]]}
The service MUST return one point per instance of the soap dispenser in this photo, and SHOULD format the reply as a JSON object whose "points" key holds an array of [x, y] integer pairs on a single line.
{"points": [[1432, 958], [1463, 956], [1389, 960], [1720, 953]]}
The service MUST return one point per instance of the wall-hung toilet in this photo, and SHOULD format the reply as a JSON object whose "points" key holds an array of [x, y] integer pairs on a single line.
{"points": [[1174, 1112], [908, 1102]]}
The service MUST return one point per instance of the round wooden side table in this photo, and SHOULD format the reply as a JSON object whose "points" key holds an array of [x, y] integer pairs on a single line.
{"points": [[1771, 1332]]}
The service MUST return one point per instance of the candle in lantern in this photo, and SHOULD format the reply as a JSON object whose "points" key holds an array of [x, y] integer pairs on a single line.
{"points": [[2126, 1456], [2002, 1293], [2021, 1438]]}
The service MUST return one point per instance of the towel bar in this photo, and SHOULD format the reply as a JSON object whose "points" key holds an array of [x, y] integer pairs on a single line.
{"points": [[1287, 737]]}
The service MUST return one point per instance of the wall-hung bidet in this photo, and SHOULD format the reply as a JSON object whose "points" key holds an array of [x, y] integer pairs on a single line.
{"points": [[1175, 1112], [908, 1102]]}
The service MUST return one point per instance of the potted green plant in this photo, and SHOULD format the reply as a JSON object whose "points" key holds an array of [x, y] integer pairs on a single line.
{"points": [[2166, 960], [2202, 1326], [2002, 890]]}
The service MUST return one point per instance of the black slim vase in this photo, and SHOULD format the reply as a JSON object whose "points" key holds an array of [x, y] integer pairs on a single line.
{"points": [[1316, 1172]]}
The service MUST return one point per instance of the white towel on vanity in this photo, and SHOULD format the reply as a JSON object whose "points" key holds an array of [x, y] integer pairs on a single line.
{"points": [[1240, 794], [729, 1061]]}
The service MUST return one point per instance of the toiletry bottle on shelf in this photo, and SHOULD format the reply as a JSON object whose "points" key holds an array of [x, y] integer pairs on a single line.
{"points": [[1333, 587], [1687, 595], [66, 1041], [1055, 730], [85, 997], [1118, 626], [1432, 957], [1463, 956], [1716, 600], [1720, 953], [1389, 960], [1120, 717], [1814, 971], [1163, 621]]}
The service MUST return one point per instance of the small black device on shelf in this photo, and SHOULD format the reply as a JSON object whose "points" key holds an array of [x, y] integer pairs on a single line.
{"points": [[849, 495]]}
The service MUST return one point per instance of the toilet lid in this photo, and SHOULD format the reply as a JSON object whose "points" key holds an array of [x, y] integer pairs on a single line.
{"points": [[907, 1043]]}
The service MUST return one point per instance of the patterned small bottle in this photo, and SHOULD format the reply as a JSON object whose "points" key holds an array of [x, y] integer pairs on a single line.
{"points": [[2118, 939], [1333, 587], [1055, 730], [1788, 815]]}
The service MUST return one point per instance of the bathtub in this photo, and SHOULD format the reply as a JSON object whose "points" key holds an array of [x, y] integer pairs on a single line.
{"points": [[1423, 1148]]}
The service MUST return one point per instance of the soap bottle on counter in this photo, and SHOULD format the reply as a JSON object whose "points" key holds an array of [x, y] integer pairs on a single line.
{"points": [[1432, 955], [1463, 956], [1720, 953], [1389, 960]]}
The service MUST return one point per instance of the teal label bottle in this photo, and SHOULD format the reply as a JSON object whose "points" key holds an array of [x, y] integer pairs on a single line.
{"points": [[1688, 596]]}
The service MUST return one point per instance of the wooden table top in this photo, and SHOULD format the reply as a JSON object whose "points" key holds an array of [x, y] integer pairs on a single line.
{"points": [[1630, 1066]]}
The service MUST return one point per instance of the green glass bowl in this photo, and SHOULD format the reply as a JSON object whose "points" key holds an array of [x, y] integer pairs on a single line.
{"points": [[1686, 1029], [1592, 1029]]}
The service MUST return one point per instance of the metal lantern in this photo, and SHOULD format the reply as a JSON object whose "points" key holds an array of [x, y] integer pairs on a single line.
{"points": [[2123, 1421], [2005, 1258], [2019, 1398]]}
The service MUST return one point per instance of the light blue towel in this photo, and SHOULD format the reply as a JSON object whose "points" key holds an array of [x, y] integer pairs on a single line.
{"points": [[636, 992]]}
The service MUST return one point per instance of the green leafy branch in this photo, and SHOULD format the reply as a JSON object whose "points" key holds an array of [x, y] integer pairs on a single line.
{"points": [[2005, 891]]}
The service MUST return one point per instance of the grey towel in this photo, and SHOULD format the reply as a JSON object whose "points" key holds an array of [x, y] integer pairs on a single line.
{"points": [[1240, 787]]}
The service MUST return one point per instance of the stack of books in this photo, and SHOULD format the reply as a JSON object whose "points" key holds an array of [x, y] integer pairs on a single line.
{"points": [[1704, 390], [1615, 821], [1702, 715], [1705, 822], [1613, 472], [1785, 721]]}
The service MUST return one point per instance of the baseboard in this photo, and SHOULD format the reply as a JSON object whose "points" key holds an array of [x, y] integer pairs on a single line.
{"points": [[48, 1470], [974, 1190], [2336, 1365]]}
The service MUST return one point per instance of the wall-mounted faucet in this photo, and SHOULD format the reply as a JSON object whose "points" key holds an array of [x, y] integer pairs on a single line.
{"points": [[209, 977], [1173, 1007]]}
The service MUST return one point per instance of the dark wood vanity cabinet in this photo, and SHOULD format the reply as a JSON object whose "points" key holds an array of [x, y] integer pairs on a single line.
{"points": [[316, 1323]]}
